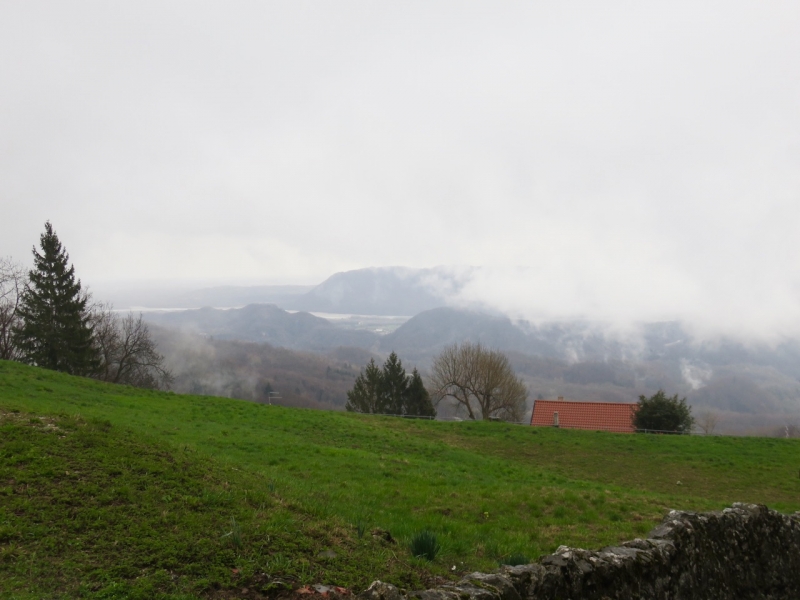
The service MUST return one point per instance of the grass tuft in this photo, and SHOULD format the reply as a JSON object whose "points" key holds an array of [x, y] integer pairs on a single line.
{"points": [[425, 545], [513, 560], [361, 528], [235, 534]]}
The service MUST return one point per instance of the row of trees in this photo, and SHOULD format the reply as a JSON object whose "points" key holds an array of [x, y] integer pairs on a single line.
{"points": [[479, 381], [48, 320], [390, 391]]}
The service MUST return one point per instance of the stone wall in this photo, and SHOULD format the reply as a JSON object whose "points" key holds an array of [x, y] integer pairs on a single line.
{"points": [[743, 552]]}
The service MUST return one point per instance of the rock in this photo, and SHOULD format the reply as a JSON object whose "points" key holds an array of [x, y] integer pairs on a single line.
{"points": [[500, 584], [524, 577], [434, 594], [384, 535], [381, 591], [468, 591]]}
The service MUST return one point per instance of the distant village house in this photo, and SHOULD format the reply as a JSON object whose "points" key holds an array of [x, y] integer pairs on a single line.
{"points": [[597, 416]]}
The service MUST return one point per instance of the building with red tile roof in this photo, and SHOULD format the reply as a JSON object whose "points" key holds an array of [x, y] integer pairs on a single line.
{"points": [[598, 416]]}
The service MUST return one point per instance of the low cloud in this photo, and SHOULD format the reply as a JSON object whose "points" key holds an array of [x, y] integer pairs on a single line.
{"points": [[617, 163]]}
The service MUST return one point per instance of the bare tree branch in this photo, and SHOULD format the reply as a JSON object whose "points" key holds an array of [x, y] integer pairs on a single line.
{"points": [[104, 328], [707, 422], [128, 352], [13, 279]]}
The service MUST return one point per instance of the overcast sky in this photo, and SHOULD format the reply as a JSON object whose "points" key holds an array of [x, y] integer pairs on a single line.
{"points": [[606, 159]]}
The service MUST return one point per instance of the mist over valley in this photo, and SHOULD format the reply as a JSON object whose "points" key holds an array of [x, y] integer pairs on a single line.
{"points": [[750, 385]]}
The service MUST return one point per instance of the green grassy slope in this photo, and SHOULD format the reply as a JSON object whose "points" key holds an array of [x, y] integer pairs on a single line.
{"points": [[88, 509], [487, 489]]}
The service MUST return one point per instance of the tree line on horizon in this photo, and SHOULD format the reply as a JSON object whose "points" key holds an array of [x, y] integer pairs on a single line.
{"points": [[48, 320], [478, 381], [389, 390]]}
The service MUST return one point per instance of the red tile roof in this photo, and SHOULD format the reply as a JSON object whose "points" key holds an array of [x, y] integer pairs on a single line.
{"points": [[604, 416]]}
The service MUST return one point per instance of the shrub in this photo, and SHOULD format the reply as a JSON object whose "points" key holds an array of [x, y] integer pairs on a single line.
{"points": [[661, 413]]}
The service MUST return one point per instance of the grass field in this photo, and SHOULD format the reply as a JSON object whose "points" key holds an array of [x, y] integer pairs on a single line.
{"points": [[305, 488]]}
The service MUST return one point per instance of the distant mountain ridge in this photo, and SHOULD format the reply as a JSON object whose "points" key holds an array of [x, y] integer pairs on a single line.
{"points": [[371, 291], [383, 291], [265, 323], [424, 335]]}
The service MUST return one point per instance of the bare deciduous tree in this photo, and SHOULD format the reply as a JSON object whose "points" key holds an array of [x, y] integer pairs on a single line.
{"points": [[707, 422], [13, 279], [479, 380], [128, 353], [789, 430]]}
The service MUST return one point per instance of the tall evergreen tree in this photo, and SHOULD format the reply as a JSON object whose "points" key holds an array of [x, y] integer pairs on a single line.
{"points": [[417, 399], [394, 384], [365, 395], [55, 332]]}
